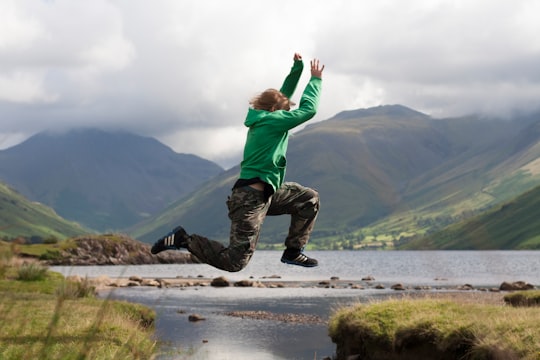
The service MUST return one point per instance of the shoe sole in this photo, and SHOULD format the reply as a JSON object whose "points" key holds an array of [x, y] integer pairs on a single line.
{"points": [[152, 251], [290, 262]]}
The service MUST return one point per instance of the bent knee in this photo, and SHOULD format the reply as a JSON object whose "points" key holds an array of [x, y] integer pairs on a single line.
{"points": [[311, 206]]}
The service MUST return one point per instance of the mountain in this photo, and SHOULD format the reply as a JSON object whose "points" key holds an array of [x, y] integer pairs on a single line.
{"points": [[384, 174], [512, 225], [103, 180], [20, 217]]}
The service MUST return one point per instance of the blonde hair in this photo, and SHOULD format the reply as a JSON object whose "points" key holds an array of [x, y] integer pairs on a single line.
{"points": [[271, 100]]}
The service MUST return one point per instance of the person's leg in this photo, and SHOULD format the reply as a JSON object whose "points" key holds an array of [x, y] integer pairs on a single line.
{"points": [[302, 203], [247, 210]]}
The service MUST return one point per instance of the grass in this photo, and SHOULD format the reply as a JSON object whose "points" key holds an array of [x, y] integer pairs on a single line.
{"points": [[41, 251], [46, 317], [22, 217], [31, 272], [511, 225], [436, 328], [523, 298]]}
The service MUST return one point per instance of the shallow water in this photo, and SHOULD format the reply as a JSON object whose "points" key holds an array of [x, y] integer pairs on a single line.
{"points": [[224, 337]]}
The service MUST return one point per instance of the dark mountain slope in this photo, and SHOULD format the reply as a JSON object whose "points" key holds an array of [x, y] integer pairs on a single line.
{"points": [[100, 179], [375, 164]]}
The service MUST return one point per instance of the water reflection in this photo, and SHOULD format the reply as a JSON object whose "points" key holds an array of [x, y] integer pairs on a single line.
{"points": [[224, 337]]}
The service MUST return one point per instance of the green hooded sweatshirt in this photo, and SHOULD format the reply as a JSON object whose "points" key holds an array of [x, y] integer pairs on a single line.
{"points": [[268, 136]]}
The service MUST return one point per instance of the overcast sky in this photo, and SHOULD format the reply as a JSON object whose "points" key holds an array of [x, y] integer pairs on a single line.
{"points": [[183, 71]]}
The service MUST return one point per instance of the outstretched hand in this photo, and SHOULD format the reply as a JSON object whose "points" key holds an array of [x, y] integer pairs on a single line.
{"points": [[316, 69]]}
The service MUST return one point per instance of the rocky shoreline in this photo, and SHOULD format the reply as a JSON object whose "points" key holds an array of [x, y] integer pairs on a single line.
{"points": [[117, 249], [463, 293], [112, 249], [275, 281]]}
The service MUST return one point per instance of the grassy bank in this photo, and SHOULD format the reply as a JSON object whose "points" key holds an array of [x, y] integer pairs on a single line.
{"points": [[45, 317], [436, 329]]}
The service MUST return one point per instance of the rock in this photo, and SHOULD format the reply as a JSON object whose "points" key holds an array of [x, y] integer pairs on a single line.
{"points": [[516, 286], [102, 280], [195, 318], [397, 287], [357, 286], [244, 283], [368, 278], [220, 282], [114, 249], [150, 282], [334, 278], [324, 283], [379, 287], [272, 277], [74, 278], [136, 278], [163, 283], [466, 287]]}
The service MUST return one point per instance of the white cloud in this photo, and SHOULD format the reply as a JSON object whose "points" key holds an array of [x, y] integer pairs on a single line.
{"points": [[183, 71], [222, 143], [17, 31], [24, 87]]}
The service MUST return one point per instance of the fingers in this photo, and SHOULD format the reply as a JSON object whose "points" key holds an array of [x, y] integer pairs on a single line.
{"points": [[316, 68], [315, 65]]}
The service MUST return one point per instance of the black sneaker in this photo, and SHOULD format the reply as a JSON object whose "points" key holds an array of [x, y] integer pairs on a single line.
{"points": [[175, 240], [297, 257]]}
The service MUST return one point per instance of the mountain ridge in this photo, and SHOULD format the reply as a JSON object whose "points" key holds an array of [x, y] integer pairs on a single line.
{"points": [[386, 175], [377, 167], [104, 180]]}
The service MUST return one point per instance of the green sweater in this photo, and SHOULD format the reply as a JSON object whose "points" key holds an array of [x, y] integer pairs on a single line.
{"points": [[268, 136]]}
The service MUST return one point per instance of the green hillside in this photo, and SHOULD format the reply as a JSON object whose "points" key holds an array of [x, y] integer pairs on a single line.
{"points": [[386, 175], [512, 225], [21, 218]]}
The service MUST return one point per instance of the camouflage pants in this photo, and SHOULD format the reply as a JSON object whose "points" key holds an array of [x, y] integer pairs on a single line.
{"points": [[247, 211]]}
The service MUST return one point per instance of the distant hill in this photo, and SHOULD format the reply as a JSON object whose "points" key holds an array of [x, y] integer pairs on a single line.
{"points": [[385, 175], [103, 180], [20, 217], [512, 225]]}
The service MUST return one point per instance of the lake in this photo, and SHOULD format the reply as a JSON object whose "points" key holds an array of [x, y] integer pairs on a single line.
{"points": [[224, 337]]}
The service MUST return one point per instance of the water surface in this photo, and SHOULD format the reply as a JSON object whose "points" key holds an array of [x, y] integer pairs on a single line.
{"points": [[224, 337]]}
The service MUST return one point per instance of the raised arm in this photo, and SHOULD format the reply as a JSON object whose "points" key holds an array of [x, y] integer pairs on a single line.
{"points": [[291, 81]]}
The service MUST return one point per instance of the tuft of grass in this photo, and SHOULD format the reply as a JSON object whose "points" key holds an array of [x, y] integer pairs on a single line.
{"points": [[76, 289], [31, 272], [435, 328], [6, 255], [523, 298]]}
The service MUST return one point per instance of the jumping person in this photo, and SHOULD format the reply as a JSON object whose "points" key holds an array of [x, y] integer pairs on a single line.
{"points": [[260, 189]]}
